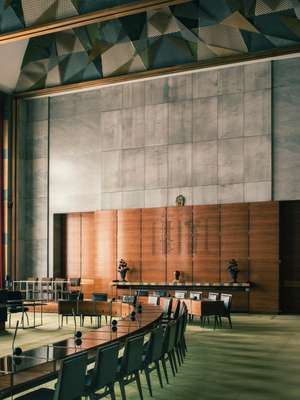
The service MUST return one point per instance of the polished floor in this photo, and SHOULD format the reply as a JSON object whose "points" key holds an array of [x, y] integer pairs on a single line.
{"points": [[258, 360]]}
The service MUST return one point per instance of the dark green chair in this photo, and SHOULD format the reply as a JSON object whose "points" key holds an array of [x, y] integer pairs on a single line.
{"points": [[103, 375], [227, 299], [131, 364], [152, 355], [168, 353], [70, 384]]}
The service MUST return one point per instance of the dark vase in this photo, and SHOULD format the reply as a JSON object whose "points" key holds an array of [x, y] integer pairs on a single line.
{"points": [[234, 275], [123, 275]]}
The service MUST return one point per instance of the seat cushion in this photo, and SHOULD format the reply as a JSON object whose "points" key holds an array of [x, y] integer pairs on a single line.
{"points": [[40, 394]]}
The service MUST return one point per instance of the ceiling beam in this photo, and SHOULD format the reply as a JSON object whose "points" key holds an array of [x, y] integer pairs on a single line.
{"points": [[184, 68], [87, 19]]}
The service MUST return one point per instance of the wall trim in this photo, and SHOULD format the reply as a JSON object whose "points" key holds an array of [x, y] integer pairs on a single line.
{"points": [[228, 61]]}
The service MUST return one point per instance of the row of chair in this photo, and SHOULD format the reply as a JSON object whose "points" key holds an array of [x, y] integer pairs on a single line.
{"points": [[166, 345]]}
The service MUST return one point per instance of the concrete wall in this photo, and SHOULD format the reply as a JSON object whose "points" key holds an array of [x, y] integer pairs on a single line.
{"points": [[206, 135], [286, 129], [32, 195]]}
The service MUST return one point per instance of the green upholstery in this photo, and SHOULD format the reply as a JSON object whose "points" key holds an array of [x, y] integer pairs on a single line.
{"points": [[70, 384]]}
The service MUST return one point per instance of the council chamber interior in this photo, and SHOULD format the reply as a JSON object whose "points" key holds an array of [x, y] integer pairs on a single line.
{"points": [[150, 208]]}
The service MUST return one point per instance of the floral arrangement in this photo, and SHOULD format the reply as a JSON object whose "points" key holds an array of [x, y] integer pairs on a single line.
{"points": [[233, 269], [123, 267]]}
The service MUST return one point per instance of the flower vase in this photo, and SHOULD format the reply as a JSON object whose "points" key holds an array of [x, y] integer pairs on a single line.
{"points": [[123, 275]]}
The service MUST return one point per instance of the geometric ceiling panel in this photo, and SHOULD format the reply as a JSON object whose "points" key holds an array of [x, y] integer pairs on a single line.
{"points": [[195, 31]]}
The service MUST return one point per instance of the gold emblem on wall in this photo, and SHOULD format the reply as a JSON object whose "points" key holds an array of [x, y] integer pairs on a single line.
{"points": [[180, 200]]}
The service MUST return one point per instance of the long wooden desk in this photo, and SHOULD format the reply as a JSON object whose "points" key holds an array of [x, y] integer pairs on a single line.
{"points": [[40, 365]]}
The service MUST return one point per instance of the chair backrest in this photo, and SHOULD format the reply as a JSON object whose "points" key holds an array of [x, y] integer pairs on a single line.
{"points": [[75, 281], [196, 295], [183, 309], [106, 366], [129, 299], [161, 293], [71, 378], [66, 307], [179, 328], [99, 296], [76, 295], [133, 352], [153, 300], [177, 309], [170, 337], [167, 308], [213, 296], [15, 296], [142, 292], [155, 345], [227, 299], [179, 294]]}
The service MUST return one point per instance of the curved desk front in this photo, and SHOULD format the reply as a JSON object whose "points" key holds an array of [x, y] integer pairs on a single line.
{"points": [[40, 365]]}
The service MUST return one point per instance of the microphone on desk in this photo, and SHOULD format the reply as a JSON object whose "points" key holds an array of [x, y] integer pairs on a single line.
{"points": [[114, 325], [77, 334]]}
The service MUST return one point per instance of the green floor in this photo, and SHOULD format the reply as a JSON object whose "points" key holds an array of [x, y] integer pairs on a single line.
{"points": [[258, 360]]}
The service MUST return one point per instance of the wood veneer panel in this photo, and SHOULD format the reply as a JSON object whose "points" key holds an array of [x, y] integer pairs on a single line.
{"points": [[180, 242], [206, 243], [72, 248], [263, 251], [234, 239], [88, 249], [106, 248], [154, 245], [129, 241]]}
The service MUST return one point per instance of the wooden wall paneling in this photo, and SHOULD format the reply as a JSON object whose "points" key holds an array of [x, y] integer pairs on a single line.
{"points": [[88, 250], [129, 234], [154, 268], [180, 242], [206, 243], [106, 250], [290, 256], [264, 256], [234, 220], [72, 248]]}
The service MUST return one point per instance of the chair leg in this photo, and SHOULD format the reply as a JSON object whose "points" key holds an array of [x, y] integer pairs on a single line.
{"points": [[138, 383], [171, 363], [148, 379], [159, 373], [230, 323], [184, 344], [122, 389], [174, 360], [112, 391], [215, 322], [163, 361], [27, 318], [178, 356]]}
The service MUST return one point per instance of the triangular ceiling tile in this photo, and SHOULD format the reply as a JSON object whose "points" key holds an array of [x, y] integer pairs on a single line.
{"points": [[236, 20]]}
